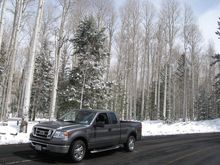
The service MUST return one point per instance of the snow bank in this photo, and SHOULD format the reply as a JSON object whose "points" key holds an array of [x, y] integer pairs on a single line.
{"points": [[151, 128], [10, 134]]}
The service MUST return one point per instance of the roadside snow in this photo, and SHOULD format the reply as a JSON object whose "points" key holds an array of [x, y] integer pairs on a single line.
{"points": [[151, 128], [10, 134]]}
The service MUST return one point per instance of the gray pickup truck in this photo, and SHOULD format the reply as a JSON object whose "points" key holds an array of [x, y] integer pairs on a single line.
{"points": [[81, 131]]}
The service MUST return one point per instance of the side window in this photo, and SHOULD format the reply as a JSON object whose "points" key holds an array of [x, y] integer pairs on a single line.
{"points": [[102, 117], [113, 118]]}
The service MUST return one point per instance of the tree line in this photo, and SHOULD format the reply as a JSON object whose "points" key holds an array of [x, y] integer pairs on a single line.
{"points": [[138, 60]]}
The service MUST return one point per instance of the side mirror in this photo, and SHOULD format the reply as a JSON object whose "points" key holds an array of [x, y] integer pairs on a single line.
{"points": [[100, 124]]}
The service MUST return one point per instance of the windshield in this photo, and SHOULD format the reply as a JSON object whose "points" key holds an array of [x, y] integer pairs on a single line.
{"points": [[78, 117]]}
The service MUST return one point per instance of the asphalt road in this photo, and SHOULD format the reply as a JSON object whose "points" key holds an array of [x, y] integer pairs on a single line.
{"points": [[194, 149]]}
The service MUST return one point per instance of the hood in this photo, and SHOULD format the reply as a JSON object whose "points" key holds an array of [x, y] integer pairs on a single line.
{"points": [[62, 125]]}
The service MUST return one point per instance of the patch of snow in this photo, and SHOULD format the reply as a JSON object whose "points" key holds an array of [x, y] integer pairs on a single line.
{"points": [[152, 128], [10, 134]]}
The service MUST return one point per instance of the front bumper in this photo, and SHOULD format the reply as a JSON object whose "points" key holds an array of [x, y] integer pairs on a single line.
{"points": [[40, 146]]}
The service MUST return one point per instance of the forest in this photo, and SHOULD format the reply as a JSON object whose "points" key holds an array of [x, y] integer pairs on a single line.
{"points": [[141, 60]]}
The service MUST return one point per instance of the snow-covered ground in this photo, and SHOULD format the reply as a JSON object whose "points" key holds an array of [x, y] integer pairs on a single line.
{"points": [[152, 128], [9, 134]]}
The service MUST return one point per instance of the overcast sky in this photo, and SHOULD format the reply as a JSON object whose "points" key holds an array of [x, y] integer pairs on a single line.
{"points": [[208, 12]]}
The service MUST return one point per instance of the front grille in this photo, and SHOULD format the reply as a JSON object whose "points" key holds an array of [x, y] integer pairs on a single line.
{"points": [[44, 133]]}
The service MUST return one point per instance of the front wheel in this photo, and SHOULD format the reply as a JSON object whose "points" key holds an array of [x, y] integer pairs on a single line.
{"points": [[77, 151], [130, 144]]}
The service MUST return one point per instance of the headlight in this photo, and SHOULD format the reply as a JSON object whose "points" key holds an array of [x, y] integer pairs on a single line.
{"points": [[61, 135]]}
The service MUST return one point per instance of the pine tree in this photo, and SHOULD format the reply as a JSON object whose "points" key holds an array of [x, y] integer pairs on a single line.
{"points": [[87, 78], [42, 83], [202, 104]]}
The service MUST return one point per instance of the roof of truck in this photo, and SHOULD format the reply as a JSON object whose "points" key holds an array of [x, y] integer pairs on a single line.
{"points": [[95, 110]]}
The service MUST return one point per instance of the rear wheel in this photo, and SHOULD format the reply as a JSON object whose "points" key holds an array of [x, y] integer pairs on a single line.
{"points": [[130, 144], [77, 151]]}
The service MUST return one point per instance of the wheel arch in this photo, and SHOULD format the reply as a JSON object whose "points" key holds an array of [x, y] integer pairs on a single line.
{"points": [[80, 138], [132, 133]]}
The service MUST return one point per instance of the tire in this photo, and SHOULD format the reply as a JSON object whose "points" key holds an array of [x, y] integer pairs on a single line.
{"points": [[77, 151], [130, 144]]}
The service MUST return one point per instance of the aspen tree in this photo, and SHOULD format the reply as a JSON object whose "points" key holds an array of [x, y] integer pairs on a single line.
{"points": [[31, 60]]}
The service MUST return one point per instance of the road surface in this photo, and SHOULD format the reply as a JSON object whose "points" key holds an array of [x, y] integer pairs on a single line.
{"points": [[194, 149]]}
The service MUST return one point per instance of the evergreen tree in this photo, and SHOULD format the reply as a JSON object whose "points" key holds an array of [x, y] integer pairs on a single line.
{"points": [[87, 78], [202, 104], [41, 88]]}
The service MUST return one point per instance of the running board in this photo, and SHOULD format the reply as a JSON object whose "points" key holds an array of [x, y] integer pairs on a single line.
{"points": [[105, 149]]}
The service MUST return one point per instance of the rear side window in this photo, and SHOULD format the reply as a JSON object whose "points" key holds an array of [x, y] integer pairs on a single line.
{"points": [[113, 118]]}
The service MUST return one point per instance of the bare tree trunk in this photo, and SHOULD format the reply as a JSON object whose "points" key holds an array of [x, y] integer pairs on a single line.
{"points": [[185, 114], [1, 21], [174, 100], [165, 96], [127, 98], [124, 99], [147, 113], [21, 95], [188, 21], [158, 95], [31, 61], [3, 102], [11, 54], [169, 93], [158, 81], [34, 110], [135, 84], [57, 60], [193, 83], [159, 50], [110, 27], [117, 90], [155, 92], [170, 13], [82, 91], [143, 87], [148, 14]]}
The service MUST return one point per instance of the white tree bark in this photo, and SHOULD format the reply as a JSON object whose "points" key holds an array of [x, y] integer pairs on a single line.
{"points": [[170, 13], [185, 111], [30, 63], [165, 96], [188, 20], [194, 41], [159, 52], [11, 54], [57, 60]]}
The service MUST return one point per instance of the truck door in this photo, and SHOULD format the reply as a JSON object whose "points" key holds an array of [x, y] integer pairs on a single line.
{"points": [[103, 133], [115, 128]]}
